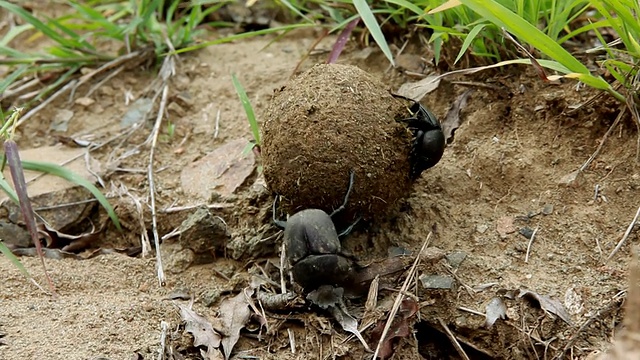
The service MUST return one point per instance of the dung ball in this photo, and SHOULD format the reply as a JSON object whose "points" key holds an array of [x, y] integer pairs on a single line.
{"points": [[326, 123]]}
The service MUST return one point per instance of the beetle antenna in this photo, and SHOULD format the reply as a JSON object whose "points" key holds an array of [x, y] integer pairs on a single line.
{"points": [[346, 197], [279, 223], [348, 230]]}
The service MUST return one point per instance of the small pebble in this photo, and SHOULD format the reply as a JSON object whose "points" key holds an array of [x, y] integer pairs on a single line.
{"points": [[547, 209], [85, 101], [436, 281], [526, 232], [432, 254], [176, 109], [456, 258], [210, 297], [482, 228]]}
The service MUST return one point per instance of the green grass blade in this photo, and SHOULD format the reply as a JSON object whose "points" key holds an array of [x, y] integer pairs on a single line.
{"points": [[13, 33], [240, 36], [248, 109], [96, 17], [467, 41], [37, 24], [404, 4], [64, 173], [295, 10], [616, 73], [592, 26], [7, 189], [14, 259], [17, 73], [371, 23], [525, 31]]}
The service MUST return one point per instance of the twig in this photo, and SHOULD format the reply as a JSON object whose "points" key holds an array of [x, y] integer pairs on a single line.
{"points": [[64, 205], [103, 81], [453, 339], [604, 139], [173, 233], [398, 301], [152, 188], [144, 236], [479, 84], [140, 54], [533, 235], [217, 126], [569, 344], [163, 339], [292, 340], [45, 103], [25, 85], [283, 257], [625, 236], [471, 311], [174, 209], [633, 109]]}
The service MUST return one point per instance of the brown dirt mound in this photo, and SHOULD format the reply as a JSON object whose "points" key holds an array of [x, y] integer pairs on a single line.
{"points": [[329, 121]]}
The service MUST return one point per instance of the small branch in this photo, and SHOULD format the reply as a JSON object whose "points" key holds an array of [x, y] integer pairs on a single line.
{"points": [[398, 301], [533, 235], [604, 139], [626, 235], [45, 103], [152, 188], [453, 339]]}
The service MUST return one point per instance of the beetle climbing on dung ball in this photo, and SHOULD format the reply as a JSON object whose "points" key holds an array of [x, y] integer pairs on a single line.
{"points": [[330, 121], [313, 246]]}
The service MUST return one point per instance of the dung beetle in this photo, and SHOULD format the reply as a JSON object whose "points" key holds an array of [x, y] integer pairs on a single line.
{"points": [[428, 139], [313, 246]]}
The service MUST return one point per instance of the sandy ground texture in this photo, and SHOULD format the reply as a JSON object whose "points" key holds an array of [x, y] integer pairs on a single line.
{"points": [[510, 221]]}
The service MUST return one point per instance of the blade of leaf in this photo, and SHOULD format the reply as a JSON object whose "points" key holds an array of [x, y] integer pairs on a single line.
{"points": [[64, 173], [469, 38], [8, 190], [503, 17], [14, 260], [404, 4], [248, 109], [446, 6], [372, 24], [342, 41], [39, 25]]}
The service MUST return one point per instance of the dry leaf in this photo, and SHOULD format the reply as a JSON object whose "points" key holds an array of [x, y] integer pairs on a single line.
{"points": [[235, 314], [399, 328], [326, 296], [496, 309], [549, 305], [330, 298], [348, 323], [202, 331], [452, 121], [505, 226], [220, 173], [417, 90]]}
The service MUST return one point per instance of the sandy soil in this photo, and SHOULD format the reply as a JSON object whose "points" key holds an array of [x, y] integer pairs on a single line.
{"points": [[503, 176]]}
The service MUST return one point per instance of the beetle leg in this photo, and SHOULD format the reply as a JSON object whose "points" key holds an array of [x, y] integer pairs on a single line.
{"points": [[348, 230], [279, 223], [346, 197]]}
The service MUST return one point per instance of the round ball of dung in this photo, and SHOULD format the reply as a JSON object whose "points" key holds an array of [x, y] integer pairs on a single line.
{"points": [[326, 123]]}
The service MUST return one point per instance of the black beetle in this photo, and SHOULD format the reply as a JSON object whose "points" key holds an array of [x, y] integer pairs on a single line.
{"points": [[428, 139], [313, 247]]}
